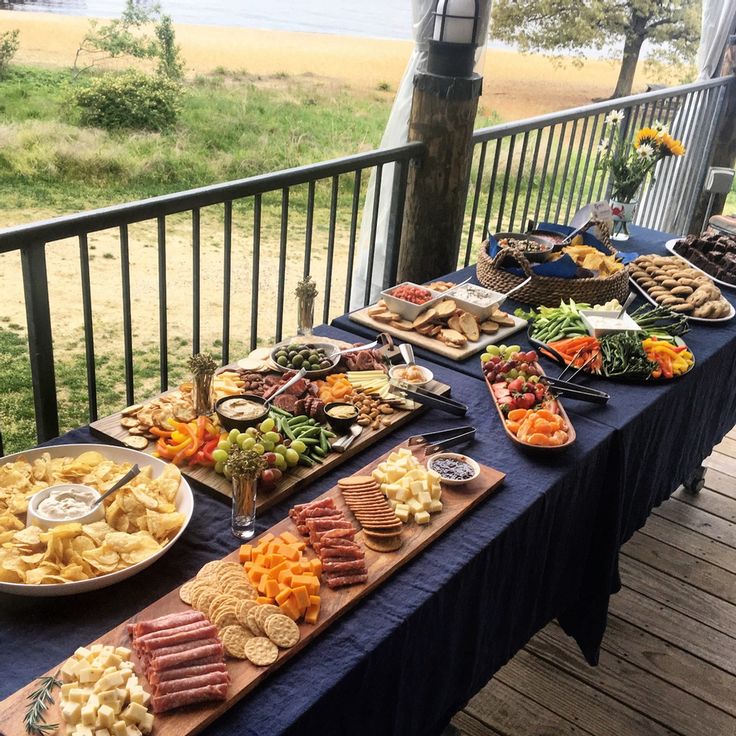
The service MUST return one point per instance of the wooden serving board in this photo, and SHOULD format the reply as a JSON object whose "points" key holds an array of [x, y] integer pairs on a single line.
{"points": [[435, 346], [457, 501], [109, 428]]}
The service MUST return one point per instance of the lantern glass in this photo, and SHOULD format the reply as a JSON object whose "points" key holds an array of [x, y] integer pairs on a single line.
{"points": [[456, 21]]}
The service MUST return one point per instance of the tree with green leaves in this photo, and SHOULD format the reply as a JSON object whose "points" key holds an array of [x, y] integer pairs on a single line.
{"points": [[9, 43], [141, 32], [568, 27]]}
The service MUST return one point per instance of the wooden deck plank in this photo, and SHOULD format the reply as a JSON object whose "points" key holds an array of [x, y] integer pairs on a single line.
{"points": [[699, 521], [633, 686], [720, 483], [727, 446], [467, 725], [722, 463], [710, 501], [691, 542], [570, 698], [510, 713], [678, 596], [683, 566], [675, 665], [678, 629]]}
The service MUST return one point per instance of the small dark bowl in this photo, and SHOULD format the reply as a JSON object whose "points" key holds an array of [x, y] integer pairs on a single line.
{"points": [[534, 256], [241, 424], [341, 426]]}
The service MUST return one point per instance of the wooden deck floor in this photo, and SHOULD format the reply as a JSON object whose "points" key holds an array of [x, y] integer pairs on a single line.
{"points": [[668, 665]]}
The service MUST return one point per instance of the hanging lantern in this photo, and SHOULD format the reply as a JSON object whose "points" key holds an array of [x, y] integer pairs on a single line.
{"points": [[455, 38]]}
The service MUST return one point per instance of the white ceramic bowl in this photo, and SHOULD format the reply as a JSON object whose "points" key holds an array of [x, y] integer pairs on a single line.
{"points": [[428, 375], [184, 504], [495, 299], [409, 310], [454, 456], [36, 518], [623, 324]]}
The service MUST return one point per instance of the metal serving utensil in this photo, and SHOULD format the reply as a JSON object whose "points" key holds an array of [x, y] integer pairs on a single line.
{"points": [[117, 486]]}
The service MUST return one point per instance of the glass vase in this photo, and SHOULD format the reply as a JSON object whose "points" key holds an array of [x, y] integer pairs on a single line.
{"points": [[203, 393], [243, 520], [305, 316], [623, 215]]}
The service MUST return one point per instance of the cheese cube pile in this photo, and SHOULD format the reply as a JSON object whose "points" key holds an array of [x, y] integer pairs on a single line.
{"points": [[413, 491], [101, 695]]}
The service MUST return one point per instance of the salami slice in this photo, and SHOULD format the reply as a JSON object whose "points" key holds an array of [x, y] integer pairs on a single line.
{"points": [[353, 567], [182, 647], [340, 553], [339, 581], [178, 659], [162, 703], [179, 637], [324, 503], [167, 622], [342, 533], [324, 525], [192, 671], [189, 683], [141, 640], [321, 512]]}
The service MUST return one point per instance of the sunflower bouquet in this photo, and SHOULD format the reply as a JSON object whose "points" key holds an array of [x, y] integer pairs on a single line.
{"points": [[631, 162]]}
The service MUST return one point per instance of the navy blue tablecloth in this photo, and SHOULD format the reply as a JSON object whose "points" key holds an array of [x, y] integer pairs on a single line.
{"points": [[545, 545]]}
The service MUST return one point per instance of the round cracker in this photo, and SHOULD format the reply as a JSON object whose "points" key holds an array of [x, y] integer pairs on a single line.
{"points": [[225, 617], [234, 639], [185, 592], [383, 544], [252, 621], [209, 568], [261, 651], [136, 442], [202, 600], [356, 480], [263, 611], [242, 611], [281, 630]]}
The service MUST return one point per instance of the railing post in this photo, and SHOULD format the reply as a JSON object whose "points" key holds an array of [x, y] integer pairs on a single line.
{"points": [[40, 343], [723, 151], [395, 222]]}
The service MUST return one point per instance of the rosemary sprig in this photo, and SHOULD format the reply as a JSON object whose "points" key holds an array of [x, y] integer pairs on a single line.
{"points": [[244, 463], [40, 699], [201, 364]]}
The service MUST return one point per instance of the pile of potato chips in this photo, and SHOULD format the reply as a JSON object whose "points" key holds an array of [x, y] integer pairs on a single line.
{"points": [[139, 520], [591, 258]]}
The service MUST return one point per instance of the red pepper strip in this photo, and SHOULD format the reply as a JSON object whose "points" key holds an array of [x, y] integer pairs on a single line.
{"points": [[184, 453], [160, 432], [201, 428], [666, 362], [678, 348]]}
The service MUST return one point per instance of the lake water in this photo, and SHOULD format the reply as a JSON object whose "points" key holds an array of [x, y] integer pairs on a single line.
{"points": [[374, 18]]}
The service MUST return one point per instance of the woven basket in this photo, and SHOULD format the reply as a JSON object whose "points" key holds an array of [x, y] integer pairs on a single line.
{"points": [[547, 291]]}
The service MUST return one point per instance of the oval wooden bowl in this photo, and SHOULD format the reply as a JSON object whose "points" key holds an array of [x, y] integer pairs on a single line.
{"points": [[526, 445]]}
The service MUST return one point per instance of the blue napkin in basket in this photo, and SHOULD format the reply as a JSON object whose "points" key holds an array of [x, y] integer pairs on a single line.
{"points": [[588, 239]]}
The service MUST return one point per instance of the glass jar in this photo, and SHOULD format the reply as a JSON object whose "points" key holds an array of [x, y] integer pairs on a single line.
{"points": [[305, 316], [203, 393], [243, 521]]}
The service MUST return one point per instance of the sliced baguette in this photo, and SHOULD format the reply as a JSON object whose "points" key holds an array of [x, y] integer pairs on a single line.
{"points": [[469, 326]]}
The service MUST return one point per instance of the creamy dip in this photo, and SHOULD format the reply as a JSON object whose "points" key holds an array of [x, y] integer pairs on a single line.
{"points": [[475, 295], [342, 411], [67, 503], [241, 409], [410, 374], [607, 323]]}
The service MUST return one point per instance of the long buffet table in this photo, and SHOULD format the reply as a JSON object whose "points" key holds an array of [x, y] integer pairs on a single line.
{"points": [[544, 546]]}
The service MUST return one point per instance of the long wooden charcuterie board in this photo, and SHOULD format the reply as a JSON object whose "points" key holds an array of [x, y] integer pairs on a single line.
{"points": [[457, 501], [109, 428], [435, 346]]}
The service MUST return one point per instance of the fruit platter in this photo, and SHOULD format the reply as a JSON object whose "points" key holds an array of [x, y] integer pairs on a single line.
{"points": [[526, 403], [643, 346], [304, 406]]}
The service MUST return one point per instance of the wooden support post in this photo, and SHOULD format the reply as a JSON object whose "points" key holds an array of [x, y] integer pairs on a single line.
{"points": [[724, 146], [442, 117]]}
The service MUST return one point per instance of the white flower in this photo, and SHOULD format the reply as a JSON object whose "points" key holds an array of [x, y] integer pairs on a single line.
{"points": [[645, 150], [614, 117], [660, 127], [602, 149]]}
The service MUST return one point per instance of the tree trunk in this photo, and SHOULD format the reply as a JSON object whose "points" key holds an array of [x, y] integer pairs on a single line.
{"points": [[632, 48]]}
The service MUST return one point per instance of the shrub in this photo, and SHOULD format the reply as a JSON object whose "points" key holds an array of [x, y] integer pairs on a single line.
{"points": [[129, 100], [9, 44]]}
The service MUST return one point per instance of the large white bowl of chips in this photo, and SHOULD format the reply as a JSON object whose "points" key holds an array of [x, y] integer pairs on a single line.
{"points": [[184, 502]]}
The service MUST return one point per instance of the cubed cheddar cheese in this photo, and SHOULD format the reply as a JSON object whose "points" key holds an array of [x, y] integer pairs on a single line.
{"points": [[246, 553], [422, 517]]}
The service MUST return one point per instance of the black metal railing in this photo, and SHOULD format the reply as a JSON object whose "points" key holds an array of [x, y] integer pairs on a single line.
{"points": [[33, 240]]}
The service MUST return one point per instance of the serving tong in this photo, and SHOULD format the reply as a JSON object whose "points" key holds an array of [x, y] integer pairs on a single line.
{"points": [[428, 398], [435, 441]]}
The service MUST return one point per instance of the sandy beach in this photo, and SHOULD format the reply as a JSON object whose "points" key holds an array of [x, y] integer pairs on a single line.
{"points": [[515, 85]]}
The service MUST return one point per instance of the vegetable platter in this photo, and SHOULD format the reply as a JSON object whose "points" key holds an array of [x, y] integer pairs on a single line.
{"points": [[655, 352], [294, 436], [530, 413]]}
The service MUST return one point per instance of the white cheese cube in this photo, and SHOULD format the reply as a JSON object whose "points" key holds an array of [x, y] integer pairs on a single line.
{"points": [[89, 715], [435, 492], [417, 487], [393, 504], [123, 652], [71, 712], [146, 724], [82, 730], [405, 452], [69, 670], [79, 694], [132, 730], [82, 653], [119, 728], [435, 506], [102, 732], [378, 476], [108, 697], [391, 490], [110, 680], [402, 512], [90, 674], [96, 648], [109, 659], [403, 494], [66, 688], [425, 499], [134, 713], [109, 670], [422, 517], [433, 475], [394, 457], [93, 701], [414, 505], [394, 474], [105, 717]]}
